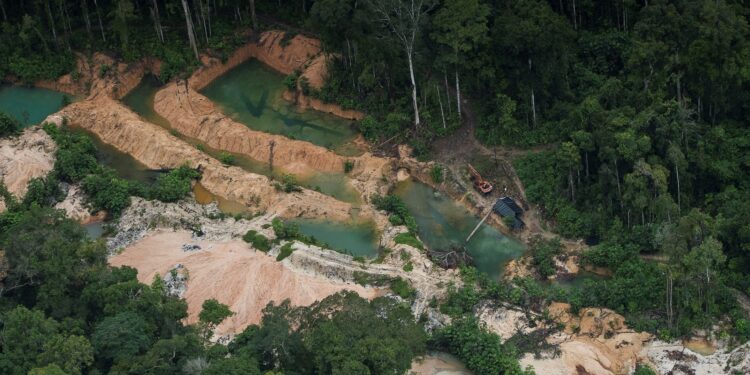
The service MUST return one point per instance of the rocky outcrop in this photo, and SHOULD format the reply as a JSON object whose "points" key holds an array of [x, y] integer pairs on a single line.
{"points": [[595, 341], [25, 157], [156, 148], [676, 359]]}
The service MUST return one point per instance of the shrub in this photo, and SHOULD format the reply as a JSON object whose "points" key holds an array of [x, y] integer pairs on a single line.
{"points": [[8, 125], [408, 267], [348, 166], [174, 185], [285, 251], [104, 69], [543, 252], [409, 239], [107, 192], [304, 83], [226, 158], [290, 81], [257, 240], [437, 173], [402, 288], [395, 206], [288, 184]]}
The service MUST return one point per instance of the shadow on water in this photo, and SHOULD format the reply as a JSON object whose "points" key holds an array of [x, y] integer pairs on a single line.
{"points": [[255, 110], [237, 91], [443, 223], [29, 105]]}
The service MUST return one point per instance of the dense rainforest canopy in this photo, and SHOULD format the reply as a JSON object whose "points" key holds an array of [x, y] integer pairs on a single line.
{"points": [[635, 111]]}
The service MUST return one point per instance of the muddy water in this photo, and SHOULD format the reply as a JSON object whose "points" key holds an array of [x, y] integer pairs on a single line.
{"points": [[337, 185], [251, 94], [358, 239], [203, 196], [125, 166], [443, 223], [94, 230], [29, 105], [141, 100]]}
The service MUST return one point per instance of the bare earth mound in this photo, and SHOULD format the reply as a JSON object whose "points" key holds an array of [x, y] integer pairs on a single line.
{"points": [[22, 158], [244, 279]]}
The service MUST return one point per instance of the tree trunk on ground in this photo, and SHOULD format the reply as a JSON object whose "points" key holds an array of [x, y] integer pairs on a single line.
{"points": [[252, 15], [189, 25]]}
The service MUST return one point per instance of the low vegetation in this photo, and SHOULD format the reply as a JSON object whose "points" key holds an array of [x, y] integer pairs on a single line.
{"points": [[8, 126], [259, 241], [76, 162], [408, 239], [399, 213]]}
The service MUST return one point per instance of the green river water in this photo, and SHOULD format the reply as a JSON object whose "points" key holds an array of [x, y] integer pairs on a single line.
{"points": [[443, 222], [251, 94], [29, 105], [337, 185], [355, 239]]}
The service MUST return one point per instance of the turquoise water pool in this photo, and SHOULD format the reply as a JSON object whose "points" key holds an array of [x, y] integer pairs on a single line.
{"points": [[442, 223], [29, 105]]}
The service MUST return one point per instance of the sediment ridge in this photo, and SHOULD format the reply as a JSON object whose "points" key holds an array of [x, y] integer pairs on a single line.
{"points": [[196, 116], [154, 147]]}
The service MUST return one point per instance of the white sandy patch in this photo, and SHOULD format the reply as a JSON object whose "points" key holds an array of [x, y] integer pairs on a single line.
{"points": [[231, 272]]}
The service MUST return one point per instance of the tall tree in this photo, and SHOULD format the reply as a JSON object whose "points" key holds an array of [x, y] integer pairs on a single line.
{"points": [[189, 26], [462, 26], [404, 19]]}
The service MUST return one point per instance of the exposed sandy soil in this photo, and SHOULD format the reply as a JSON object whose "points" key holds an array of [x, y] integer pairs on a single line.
{"points": [[27, 156], [438, 364], [154, 147], [197, 117], [596, 342], [236, 275]]}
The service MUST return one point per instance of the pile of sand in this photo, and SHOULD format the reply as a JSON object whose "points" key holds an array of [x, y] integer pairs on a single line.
{"points": [[27, 156], [236, 275]]}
